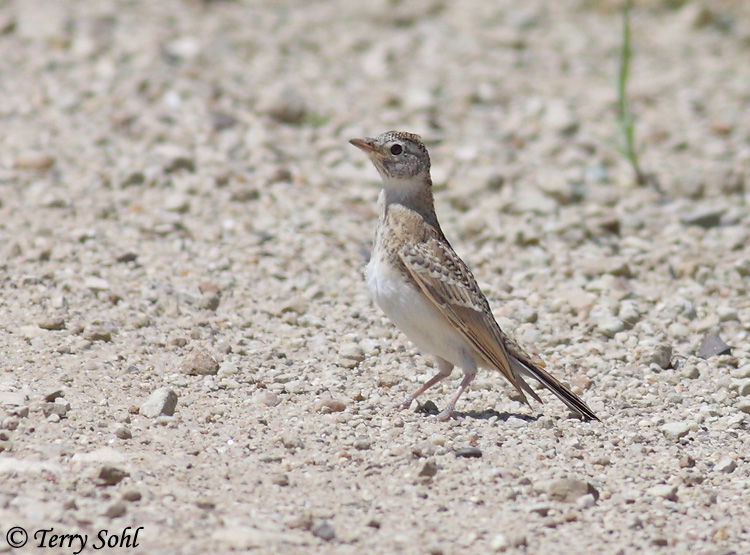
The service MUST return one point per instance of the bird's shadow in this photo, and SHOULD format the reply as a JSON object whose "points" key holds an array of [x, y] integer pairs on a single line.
{"points": [[504, 416], [430, 409]]}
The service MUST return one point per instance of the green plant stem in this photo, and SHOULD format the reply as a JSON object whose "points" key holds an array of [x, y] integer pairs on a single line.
{"points": [[625, 119]]}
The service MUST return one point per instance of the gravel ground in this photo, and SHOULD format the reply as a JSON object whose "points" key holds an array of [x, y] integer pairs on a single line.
{"points": [[182, 221]]}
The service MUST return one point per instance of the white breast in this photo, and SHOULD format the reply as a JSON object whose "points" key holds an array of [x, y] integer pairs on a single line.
{"points": [[413, 313]]}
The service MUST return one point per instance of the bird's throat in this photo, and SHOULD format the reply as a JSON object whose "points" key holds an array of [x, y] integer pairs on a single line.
{"points": [[414, 193]]}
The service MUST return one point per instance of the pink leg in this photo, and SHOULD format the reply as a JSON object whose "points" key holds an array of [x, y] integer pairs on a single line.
{"points": [[447, 412], [444, 370]]}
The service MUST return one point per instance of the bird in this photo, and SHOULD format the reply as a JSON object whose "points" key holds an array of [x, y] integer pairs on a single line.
{"points": [[428, 291]]}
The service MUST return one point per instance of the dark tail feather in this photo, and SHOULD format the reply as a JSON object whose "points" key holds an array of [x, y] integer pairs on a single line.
{"points": [[571, 400]]}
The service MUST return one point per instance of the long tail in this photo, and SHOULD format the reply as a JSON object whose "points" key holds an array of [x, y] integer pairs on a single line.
{"points": [[573, 401]]}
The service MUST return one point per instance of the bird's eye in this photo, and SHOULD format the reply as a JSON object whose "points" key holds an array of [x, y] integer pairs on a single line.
{"points": [[396, 150]]}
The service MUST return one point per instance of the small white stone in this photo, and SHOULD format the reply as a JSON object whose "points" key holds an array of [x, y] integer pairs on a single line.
{"points": [[727, 313], [725, 465], [663, 490], [161, 401], [96, 283], [610, 325], [675, 430], [177, 202], [499, 543], [743, 387], [690, 371], [629, 312]]}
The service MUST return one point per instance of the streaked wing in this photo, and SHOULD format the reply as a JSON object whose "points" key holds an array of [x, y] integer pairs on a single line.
{"points": [[449, 283]]}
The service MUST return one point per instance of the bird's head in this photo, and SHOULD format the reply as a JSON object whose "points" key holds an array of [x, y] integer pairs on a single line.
{"points": [[397, 155]]}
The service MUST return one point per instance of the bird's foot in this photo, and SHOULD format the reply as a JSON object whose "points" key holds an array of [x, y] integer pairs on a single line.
{"points": [[445, 414], [405, 404]]}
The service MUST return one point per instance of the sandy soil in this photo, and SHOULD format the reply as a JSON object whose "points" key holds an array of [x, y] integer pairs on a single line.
{"points": [[182, 220]]}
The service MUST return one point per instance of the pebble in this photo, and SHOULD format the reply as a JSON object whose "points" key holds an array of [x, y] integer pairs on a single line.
{"points": [[97, 333], [161, 401], [283, 104], [690, 371], [210, 300], [743, 267], [222, 120], [725, 466], [60, 409], [131, 179], [468, 452], [280, 480], [417, 98], [291, 440], [712, 345], [352, 351], [429, 469], [131, 495], [499, 543], [199, 362], [96, 283], [530, 200], [695, 15], [123, 432], [34, 160], [570, 490], [11, 422], [743, 387], [327, 404], [177, 202], [703, 217], [556, 185], [298, 305], [542, 509], [205, 503], [610, 325], [559, 117], [54, 395], [323, 530], [116, 510], [173, 158], [12, 399], [296, 387], [675, 430], [663, 490], [362, 443], [662, 356], [52, 323], [111, 475], [183, 48], [266, 398], [628, 312], [303, 521], [727, 314]]}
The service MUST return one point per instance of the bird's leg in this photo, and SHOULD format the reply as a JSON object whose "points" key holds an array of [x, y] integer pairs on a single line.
{"points": [[444, 370], [447, 412]]}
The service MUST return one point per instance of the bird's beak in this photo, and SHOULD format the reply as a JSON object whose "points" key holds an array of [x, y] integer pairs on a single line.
{"points": [[366, 144]]}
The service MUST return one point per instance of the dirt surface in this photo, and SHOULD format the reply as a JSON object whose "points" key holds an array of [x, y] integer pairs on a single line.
{"points": [[181, 216]]}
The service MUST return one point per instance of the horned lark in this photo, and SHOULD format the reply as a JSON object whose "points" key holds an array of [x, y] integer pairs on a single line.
{"points": [[427, 291]]}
